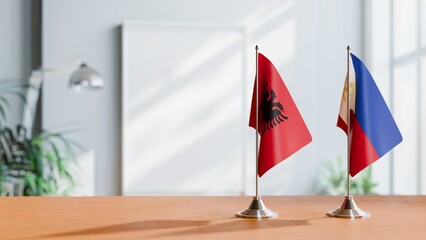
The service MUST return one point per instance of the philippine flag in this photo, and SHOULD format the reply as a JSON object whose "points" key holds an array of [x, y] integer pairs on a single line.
{"points": [[373, 130]]}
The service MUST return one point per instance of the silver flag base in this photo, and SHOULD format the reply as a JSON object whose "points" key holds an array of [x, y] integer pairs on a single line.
{"points": [[257, 209], [349, 209]]}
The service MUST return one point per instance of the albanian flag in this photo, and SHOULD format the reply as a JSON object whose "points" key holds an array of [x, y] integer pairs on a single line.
{"points": [[281, 127]]}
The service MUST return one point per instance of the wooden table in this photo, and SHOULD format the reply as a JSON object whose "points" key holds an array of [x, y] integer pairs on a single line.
{"points": [[301, 217]]}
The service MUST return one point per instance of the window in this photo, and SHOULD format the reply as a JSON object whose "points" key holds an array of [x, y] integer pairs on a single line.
{"points": [[396, 51]]}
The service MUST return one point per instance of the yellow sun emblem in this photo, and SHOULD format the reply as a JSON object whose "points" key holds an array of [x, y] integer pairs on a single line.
{"points": [[345, 90]]}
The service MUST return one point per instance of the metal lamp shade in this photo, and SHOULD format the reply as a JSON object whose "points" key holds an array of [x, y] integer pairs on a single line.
{"points": [[87, 78]]}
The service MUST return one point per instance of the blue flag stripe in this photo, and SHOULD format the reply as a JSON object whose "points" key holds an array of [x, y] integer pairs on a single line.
{"points": [[372, 112]]}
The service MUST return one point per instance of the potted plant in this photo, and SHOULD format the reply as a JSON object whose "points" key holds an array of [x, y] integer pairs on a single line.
{"points": [[334, 180], [40, 164]]}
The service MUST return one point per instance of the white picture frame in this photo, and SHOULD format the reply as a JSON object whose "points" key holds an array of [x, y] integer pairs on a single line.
{"points": [[184, 114]]}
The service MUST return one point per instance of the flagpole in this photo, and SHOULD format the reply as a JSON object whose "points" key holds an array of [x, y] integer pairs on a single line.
{"points": [[257, 208], [257, 122], [349, 124], [348, 209]]}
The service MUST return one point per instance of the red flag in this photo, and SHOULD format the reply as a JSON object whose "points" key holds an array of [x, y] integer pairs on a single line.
{"points": [[281, 127]]}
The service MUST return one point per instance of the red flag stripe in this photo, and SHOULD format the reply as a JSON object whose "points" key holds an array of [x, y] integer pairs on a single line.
{"points": [[361, 149]]}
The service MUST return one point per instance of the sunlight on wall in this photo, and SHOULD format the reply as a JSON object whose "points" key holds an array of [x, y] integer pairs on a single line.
{"points": [[206, 51], [266, 13]]}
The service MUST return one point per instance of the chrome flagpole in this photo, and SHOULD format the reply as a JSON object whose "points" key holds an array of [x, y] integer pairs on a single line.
{"points": [[257, 121], [257, 208], [348, 209]]}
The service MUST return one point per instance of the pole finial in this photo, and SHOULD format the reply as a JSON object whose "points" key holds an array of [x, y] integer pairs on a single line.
{"points": [[257, 47], [348, 48]]}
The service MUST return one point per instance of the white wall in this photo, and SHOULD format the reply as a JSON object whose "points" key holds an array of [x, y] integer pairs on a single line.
{"points": [[15, 48], [305, 39]]}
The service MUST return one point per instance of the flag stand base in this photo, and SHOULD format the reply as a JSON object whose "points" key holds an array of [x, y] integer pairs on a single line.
{"points": [[257, 209], [348, 209]]}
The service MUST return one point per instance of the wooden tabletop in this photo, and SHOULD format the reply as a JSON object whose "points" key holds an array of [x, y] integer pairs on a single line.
{"points": [[301, 217]]}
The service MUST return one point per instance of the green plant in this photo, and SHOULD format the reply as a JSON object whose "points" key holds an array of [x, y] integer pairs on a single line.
{"points": [[36, 166], [32, 166], [335, 177]]}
